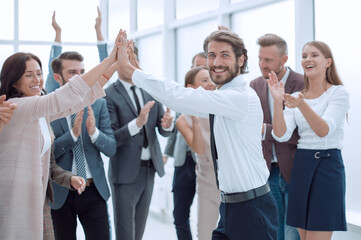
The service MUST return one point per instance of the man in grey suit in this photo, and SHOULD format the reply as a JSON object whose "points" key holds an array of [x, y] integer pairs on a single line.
{"points": [[184, 178], [279, 156], [79, 140], [134, 117]]}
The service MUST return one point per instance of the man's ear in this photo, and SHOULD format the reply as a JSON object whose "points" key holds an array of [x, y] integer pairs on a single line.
{"points": [[58, 78], [240, 60]]}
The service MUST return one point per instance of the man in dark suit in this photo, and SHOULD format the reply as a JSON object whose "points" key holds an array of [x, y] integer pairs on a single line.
{"points": [[79, 140], [279, 156], [134, 116]]}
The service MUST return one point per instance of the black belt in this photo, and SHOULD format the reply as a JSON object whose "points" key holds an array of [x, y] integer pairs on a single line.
{"points": [[244, 196], [89, 181], [274, 164], [146, 163]]}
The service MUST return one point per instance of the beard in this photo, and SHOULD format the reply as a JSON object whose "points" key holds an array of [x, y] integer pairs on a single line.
{"points": [[222, 80], [266, 71]]}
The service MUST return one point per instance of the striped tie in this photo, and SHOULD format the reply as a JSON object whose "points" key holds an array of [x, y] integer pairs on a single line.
{"points": [[79, 153]]}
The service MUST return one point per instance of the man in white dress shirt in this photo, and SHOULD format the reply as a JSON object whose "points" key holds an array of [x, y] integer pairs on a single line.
{"points": [[248, 209]]}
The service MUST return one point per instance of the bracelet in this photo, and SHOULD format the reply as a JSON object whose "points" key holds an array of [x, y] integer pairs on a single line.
{"points": [[105, 77]]}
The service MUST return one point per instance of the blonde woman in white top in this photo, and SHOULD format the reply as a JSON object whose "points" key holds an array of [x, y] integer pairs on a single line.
{"points": [[317, 189], [196, 132]]}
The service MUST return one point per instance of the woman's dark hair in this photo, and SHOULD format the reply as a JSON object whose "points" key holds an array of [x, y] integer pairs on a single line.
{"points": [[13, 69]]}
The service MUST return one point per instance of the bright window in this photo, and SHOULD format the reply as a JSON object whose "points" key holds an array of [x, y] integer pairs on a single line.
{"points": [[250, 25]]}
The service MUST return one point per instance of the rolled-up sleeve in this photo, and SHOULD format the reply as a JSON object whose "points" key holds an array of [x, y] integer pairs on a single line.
{"points": [[290, 124]]}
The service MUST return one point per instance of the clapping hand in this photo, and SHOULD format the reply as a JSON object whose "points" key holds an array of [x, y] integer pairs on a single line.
{"points": [[90, 121], [6, 111], [276, 88], [142, 119], [77, 123], [167, 119], [292, 101]]}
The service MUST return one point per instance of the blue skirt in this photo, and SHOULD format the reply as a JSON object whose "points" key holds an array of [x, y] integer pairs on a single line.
{"points": [[317, 191]]}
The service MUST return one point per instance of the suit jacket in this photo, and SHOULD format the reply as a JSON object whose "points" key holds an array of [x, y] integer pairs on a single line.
{"points": [[124, 165], [23, 177], [177, 148], [285, 152], [58, 175], [63, 150]]}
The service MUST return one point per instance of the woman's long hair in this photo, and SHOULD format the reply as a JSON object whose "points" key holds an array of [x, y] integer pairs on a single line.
{"points": [[331, 73], [13, 69]]}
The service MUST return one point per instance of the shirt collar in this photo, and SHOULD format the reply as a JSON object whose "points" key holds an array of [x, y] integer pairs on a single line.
{"points": [[125, 84], [285, 77]]}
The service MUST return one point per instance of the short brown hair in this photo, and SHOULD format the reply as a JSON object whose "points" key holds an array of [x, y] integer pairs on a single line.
{"points": [[200, 54], [271, 39], [57, 63], [232, 39], [12, 70], [191, 75]]}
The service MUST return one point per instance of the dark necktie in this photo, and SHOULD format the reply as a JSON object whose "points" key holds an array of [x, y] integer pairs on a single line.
{"points": [[145, 139], [78, 153], [213, 146]]}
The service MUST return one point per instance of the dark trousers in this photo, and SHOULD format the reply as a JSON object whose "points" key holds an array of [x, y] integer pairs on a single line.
{"points": [[280, 188], [184, 189], [92, 211], [254, 219], [131, 205]]}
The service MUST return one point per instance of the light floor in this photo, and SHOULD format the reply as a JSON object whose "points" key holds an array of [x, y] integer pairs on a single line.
{"points": [[160, 221]]}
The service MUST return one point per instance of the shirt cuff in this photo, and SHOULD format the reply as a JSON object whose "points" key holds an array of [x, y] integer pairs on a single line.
{"points": [[139, 77], [101, 42], [169, 129], [72, 135], [264, 132], [57, 44], [95, 135], [284, 138], [133, 128]]}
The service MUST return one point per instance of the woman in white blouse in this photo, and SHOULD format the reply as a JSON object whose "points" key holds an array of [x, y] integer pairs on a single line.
{"points": [[317, 189]]}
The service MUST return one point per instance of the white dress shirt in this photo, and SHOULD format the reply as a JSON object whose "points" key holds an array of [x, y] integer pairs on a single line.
{"points": [[132, 126], [332, 106], [237, 125]]}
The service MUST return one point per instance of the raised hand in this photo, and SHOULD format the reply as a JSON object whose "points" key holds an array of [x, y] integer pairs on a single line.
{"points": [[221, 27], [131, 54], [77, 123], [57, 28], [90, 121], [78, 183], [167, 119], [142, 119], [276, 88], [114, 54], [292, 101], [97, 26], [122, 57]]}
